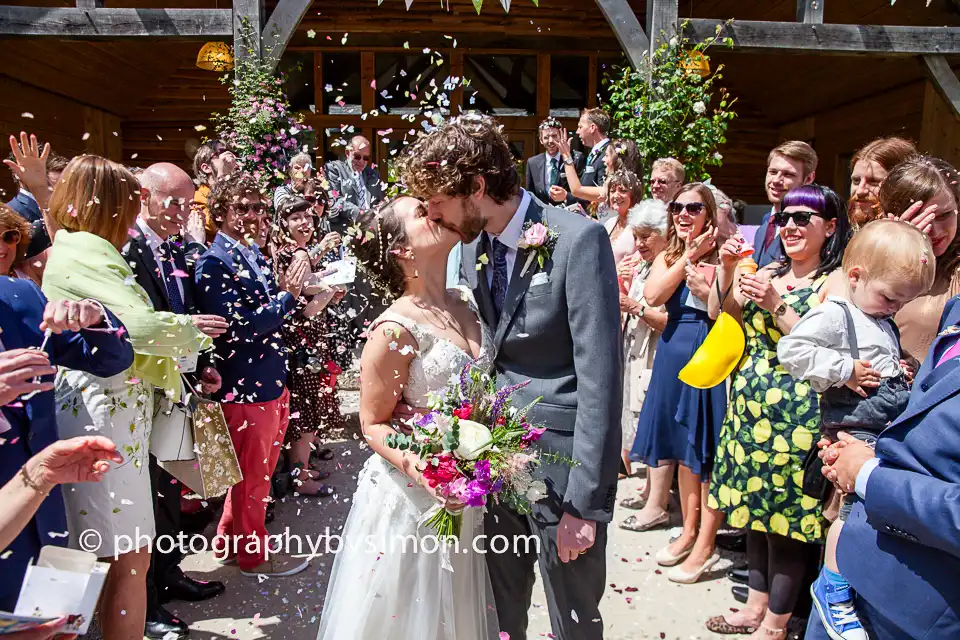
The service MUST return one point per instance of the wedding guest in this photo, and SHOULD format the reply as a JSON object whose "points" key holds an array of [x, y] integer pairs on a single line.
{"points": [[679, 424], [925, 191], [900, 548], [81, 340], [301, 172], [354, 184], [545, 177], [789, 165], [15, 235], [236, 282], [642, 327], [213, 161], [593, 129], [94, 207], [26, 203], [620, 154], [623, 191], [314, 407], [869, 167], [666, 178], [161, 269], [772, 420]]}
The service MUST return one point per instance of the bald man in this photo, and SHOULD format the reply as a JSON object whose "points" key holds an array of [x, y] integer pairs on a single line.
{"points": [[161, 268], [354, 184]]}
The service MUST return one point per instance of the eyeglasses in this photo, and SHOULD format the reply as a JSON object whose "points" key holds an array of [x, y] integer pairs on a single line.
{"points": [[11, 236], [693, 208], [661, 182], [800, 218]]}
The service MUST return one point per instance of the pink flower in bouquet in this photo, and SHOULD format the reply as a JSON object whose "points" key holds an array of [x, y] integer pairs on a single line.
{"points": [[463, 411], [533, 434], [443, 472], [535, 236]]}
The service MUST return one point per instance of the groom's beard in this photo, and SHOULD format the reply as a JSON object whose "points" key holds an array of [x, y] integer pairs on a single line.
{"points": [[473, 221]]}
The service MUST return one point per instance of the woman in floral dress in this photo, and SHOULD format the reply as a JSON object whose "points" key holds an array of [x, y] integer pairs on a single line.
{"points": [[772, 419]]}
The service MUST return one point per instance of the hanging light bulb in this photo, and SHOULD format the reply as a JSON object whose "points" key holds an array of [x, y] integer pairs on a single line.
{"points": [[215, 56]]}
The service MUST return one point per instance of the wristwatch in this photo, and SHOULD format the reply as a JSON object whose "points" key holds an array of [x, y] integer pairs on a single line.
{"points": [[643, 309], [780, 310], [568, 161]]}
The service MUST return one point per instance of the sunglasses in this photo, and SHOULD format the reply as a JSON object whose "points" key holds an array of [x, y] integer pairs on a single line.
{"points": [[10, 236], [253, 207], [800, 218], [364, 158], [661, 181], [693, 208]]}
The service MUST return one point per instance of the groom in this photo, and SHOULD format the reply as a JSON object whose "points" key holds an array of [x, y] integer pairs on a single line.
{"points": [[556, 326]]}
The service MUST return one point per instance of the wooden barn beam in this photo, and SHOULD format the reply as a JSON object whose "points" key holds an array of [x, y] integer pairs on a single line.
{"points": [[93, 24], [944, 80], [661, 21], [247, 27], [831, 38], [89, 4], [280, 28], [627, 28], [810, 11]]}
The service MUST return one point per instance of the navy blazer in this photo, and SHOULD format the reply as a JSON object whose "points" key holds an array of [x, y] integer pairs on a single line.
{"points": [[251, 356], [900, 548], [765, 254], [34, 425], [26, 206]]}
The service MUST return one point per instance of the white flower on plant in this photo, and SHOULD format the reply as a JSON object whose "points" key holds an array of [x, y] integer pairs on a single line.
{"points": [[536, 491], [717, 156], [699, 107], [674, 41], [474, 440]]}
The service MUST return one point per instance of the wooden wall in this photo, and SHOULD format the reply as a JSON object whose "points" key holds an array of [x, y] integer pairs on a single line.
{"points": [[71, 128]]}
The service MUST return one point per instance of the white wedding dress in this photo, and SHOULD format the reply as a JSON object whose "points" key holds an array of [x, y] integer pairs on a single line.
{"points": [[380, 589]]}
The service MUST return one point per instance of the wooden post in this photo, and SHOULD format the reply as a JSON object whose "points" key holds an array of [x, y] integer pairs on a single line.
{"points": [[89, 4], [280, 28], [593, 85], [247, 25], [944, 80], [368, 73], [940, 127], [627, 28], [810, 11], [662, 16], [543, 85], [456, 71]]}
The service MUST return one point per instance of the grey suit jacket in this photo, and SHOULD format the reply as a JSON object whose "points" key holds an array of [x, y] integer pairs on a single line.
{"points": [[345, 196], [536, 177], [563, 334]]}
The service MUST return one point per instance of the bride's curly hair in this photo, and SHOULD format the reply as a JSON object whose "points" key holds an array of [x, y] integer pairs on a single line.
{"points": [[375, 240]]}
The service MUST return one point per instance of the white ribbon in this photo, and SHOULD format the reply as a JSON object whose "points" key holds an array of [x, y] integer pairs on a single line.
{"points": [[526, 265]]}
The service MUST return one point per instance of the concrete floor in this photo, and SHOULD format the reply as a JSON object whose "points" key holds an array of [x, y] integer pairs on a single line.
{"points": [[639, 602]]}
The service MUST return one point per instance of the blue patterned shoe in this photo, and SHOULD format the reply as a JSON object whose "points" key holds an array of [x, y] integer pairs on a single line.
{"points": [[837, 613]]}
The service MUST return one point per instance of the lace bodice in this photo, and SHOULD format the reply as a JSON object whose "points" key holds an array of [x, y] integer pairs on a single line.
{"points": [[437, 359]]}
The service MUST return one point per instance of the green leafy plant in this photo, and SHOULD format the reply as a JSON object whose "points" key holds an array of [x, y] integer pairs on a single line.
{"points": [[669, 109], [259, 127]]}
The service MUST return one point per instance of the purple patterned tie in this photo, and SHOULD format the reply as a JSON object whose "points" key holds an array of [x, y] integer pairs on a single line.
{"points": [[499, 285]]}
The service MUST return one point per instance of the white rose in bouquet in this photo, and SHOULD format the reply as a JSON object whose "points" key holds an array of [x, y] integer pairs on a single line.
{"points": [[474, 440], [536, 491]]}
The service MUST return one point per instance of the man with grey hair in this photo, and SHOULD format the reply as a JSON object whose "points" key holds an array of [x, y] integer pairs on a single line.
{"points": [[354, 184], [301, 172]]}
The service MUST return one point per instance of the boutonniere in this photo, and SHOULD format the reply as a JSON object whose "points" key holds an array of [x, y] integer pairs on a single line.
{"points": [[541, 240]]}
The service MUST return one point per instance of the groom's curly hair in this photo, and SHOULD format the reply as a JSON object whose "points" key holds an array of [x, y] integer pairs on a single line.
{"points": [[448, 160]]}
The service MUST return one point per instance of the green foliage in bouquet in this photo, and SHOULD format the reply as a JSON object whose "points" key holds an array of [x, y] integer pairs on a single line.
{"points": [[670, 109], [259, 127]]}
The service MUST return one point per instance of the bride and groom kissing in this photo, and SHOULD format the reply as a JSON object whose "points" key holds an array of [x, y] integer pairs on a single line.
{"points": [[553, 323]]}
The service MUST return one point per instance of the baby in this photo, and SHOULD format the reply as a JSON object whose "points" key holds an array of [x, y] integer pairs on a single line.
{"points": [[849, 352]]}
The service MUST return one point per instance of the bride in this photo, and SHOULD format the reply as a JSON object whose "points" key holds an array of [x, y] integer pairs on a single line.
{"points": [[389, 579]]}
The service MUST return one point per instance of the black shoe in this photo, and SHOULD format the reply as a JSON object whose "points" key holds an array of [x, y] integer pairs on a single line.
{"points": [[271, 513], [186, 588], [740, 576], [732, 541], [161, 622], [739, 592]]}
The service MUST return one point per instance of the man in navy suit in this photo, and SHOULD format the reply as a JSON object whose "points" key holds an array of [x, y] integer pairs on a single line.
{"points": [[900, 546], [234, 280], [85, 336], [790, 165]]}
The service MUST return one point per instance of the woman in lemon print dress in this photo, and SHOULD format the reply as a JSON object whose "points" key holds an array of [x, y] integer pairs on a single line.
{"points": [[772, 419]]}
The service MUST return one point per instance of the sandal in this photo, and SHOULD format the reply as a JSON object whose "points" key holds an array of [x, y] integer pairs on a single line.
{"points": [[633, 523], [719, 624], [636, 502]]}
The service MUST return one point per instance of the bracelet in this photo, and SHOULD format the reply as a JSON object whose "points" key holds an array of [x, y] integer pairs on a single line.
{"points": [[30, 483]]}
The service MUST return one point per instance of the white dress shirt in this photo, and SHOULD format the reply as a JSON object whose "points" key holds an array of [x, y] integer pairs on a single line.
{"points": [[546, 169], [154, 241], [599, 147], [510, 237]]}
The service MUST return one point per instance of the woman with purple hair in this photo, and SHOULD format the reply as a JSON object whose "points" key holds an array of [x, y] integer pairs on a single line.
{"points": [[772, 419]]}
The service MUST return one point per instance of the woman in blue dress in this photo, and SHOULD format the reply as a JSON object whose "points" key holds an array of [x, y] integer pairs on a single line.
{"points": [[680, 424]]}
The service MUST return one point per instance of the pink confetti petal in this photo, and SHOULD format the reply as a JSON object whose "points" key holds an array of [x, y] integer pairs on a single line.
{"points": [[177, 273]]}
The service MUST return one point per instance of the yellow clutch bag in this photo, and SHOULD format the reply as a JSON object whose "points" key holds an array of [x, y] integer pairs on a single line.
{"points": [[718, 356]]}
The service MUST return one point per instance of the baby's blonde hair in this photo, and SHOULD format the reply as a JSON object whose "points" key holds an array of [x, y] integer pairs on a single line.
{"points": [[892, 251]]}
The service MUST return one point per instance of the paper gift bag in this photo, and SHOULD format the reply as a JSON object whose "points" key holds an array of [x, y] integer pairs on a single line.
{"points": [[63, 582], [171, 435], [216, 467]]}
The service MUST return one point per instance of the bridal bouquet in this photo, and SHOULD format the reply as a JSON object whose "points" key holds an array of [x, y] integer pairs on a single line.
{"points": [[475, 446]]}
